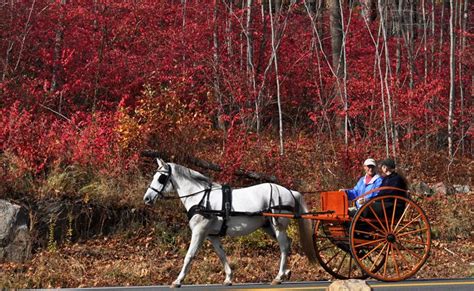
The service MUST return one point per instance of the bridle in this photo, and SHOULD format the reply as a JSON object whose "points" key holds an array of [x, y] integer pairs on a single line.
{"points": [[163, 179]]}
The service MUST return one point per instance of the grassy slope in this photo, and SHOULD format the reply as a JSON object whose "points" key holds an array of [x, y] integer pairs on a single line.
{"points": [[153, 255]]}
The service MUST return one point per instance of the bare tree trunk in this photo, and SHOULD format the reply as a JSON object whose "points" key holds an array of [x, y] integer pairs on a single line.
{"points": [[183, 27], [58, 43], [25, 34], [410, 43], [336, 37], [425, 60], [425, 35], [275, 62], [369, 10], [249, 38], [441, 34], [277, 5], [215, 69], [338, 61], [452, 72], [6, 63], [314, 11], [387, 77], [10, 45], [433, 27], [100, 52], [383, 83], [462, 46], [382, 94], [398, 27], [228, 29], [344, 78], [250, 63]]}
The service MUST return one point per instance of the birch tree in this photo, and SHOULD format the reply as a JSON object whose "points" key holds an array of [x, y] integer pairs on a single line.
{"points": [[277, 79], [452, 72], [338, 57]]}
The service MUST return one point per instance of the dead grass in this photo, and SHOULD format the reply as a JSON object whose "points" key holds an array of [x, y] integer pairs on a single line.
{"points": [[139, 261]]}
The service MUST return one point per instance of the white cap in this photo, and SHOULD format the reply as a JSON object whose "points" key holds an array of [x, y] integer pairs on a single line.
{"points": [[370, 162]]}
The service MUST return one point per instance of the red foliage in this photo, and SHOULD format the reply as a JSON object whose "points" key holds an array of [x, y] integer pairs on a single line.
{"points": [[81, 60]]}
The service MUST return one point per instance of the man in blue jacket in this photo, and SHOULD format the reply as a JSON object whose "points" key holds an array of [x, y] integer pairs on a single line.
{"points": [[369, 181]]}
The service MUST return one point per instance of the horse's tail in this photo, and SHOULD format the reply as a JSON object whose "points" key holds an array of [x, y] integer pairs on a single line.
{"points": [[306, 231]]}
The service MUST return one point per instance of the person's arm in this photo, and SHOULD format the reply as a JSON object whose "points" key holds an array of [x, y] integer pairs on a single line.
{"points": [[354, 192]]}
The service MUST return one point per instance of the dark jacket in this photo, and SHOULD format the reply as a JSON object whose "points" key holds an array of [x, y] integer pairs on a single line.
{"points": [[394, 180]]}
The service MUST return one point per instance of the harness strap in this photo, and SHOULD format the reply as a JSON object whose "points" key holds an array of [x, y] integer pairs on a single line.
{"points": [[281, 207], [203, 208], [226, 208], [205, 198], [226, 211]]}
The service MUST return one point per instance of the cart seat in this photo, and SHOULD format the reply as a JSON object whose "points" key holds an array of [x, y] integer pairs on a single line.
{"points": [[335, 201]]}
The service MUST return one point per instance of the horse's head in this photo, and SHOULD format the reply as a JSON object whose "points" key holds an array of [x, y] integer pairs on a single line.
{"points": [[160, 184]]}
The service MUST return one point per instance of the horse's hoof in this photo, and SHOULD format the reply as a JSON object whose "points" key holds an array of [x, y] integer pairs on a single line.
{"points": [[227, 283], [276, 282], [288, 275], [175, 285]]}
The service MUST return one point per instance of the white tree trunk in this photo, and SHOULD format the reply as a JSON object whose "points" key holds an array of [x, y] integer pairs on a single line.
{"points": [[452, 72], [275, 62]]}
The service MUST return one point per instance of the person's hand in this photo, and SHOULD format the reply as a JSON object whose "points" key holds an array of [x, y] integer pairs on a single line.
{"points": [[342, 190], [362, 201]]}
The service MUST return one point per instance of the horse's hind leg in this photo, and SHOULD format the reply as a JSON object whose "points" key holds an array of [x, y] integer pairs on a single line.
{"points": [[285, 243], [221, 254]]}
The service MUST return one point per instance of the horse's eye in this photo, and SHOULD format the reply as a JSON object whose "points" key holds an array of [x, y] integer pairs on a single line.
{"points": [[162, 178]]}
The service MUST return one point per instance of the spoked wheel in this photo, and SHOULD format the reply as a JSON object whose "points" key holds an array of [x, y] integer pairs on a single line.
{"points": [[390, 238], [331, 243]]}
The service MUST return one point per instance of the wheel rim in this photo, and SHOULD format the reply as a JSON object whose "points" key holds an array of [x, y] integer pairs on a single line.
{"points": [[390, 238], [333, 253]]}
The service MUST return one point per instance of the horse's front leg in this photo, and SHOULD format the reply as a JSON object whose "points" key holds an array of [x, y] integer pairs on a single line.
{"points": [[285, 243], [221, 254], [200, 228]]}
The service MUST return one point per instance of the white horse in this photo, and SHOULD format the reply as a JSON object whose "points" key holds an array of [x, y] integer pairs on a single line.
{"points": [[194, 189]]}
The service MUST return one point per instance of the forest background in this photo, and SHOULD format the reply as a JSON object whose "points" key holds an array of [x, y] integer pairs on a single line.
{"points": [[299, 91]]}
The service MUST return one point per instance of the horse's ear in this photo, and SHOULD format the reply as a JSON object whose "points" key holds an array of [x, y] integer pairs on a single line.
{"points": [[160, 162]]}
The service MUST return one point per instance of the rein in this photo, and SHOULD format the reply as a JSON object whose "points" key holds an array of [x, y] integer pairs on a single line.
{"points": [[363, 195], [168, 180], [189, 195], [381, 188]]}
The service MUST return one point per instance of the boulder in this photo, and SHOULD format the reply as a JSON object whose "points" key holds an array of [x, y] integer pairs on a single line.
{"points": [[462, 189], [349, 285], [15, 239], [422, 188], [443, 189]]}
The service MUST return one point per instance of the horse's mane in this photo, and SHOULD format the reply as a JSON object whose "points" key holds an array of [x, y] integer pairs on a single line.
{"points": [[193, 175]]}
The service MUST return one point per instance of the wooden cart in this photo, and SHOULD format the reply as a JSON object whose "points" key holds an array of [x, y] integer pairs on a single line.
{"points": [[388, 238]]}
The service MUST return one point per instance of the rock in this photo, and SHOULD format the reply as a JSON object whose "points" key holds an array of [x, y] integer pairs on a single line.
{"points": [[443, 189], [15, 239], [422, 188], [349, 285], [462, 189]]}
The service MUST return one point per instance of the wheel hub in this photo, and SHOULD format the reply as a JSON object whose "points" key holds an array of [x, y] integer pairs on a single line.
{"points": [[391, 238]]}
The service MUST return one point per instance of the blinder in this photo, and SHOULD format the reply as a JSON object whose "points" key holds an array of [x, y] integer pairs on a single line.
{"points": [[163, 179]]}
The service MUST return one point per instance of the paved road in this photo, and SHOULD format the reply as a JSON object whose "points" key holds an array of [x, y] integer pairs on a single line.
{"points": [[410, 285]]}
